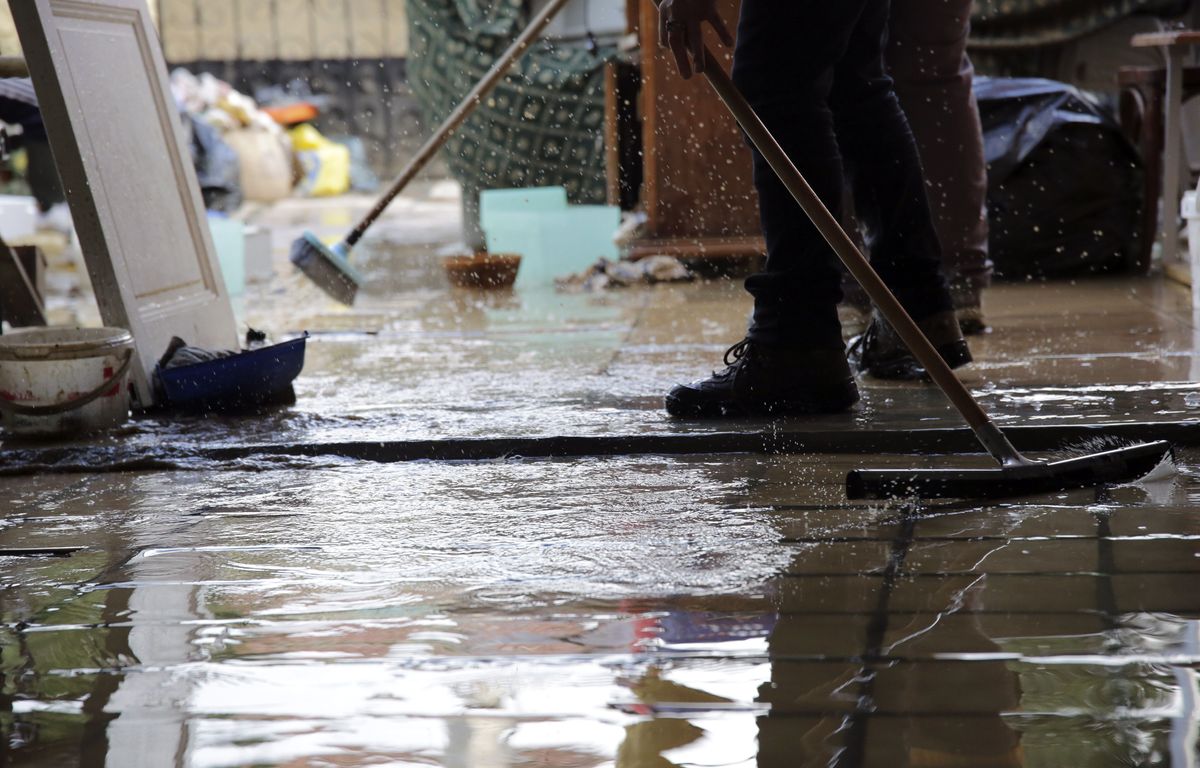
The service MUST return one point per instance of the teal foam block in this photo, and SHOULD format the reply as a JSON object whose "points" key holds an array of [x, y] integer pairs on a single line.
{"points": [[529, 200], [229, 240], [553, 238]]}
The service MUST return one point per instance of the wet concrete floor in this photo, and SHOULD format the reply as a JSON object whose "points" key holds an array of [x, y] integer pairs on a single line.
{"points": [[691, 610]]}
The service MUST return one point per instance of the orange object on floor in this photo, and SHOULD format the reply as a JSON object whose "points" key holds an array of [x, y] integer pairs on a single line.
{"points": [[292, 114]]}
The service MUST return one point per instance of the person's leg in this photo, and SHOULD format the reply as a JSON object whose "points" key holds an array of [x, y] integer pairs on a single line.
{"points": [[784, 64], [927, 58], [792, 359], [885, 171], [890, 200]]}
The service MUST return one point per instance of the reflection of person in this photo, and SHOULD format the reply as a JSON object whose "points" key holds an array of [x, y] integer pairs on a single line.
{"points": [[814, 71], [940, 696]]}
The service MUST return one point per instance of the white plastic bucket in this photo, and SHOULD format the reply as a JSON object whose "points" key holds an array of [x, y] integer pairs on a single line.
{"points": [[61, 381]]}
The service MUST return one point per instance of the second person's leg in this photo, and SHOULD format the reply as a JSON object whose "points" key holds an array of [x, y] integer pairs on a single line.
{"points": [[927, 58], [890, 200]]}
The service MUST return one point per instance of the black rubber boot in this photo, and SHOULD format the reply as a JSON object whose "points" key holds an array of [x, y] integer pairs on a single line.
{"points": [[881, 353], [769, 380]]}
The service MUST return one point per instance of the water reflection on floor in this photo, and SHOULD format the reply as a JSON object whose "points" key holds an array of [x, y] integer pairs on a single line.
{"points": [[715, 611], [644, 612]]}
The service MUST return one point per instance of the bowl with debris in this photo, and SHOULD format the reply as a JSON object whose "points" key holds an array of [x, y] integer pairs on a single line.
{"points": [[482, 269]]}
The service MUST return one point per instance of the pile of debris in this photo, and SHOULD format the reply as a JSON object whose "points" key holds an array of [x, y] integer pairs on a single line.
{"points": [[606, 273], [245, 150]]}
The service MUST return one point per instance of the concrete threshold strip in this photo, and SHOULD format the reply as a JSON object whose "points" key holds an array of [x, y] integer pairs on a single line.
{"points": [[959, 440]]}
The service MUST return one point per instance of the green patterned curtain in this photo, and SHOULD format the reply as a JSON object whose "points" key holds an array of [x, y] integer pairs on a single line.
{"points": [[1013, 24], [541, 126]]}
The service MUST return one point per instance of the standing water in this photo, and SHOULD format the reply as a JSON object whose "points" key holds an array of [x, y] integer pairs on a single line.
{"points": [[723, 610]]}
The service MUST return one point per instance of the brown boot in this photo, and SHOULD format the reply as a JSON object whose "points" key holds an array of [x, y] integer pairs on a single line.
{"points": [[968, 307], [882, 354]]}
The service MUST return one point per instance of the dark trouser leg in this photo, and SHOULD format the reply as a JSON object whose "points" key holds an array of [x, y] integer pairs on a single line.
{"points": [[784, 64], [885, 170], [927, 57]]}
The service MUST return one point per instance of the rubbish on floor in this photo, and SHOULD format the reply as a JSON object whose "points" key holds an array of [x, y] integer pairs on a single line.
{"points": [[265, 163], [293, 114], [621, 274], [362, 178], [631, 227], [263, 151], [62, 381], [200, 380], [229, 241], [218, 167], [1016, 474], [554, 239], [329, 267], [218, 103], [120, 149], [482, 269], [179, 354], [22, 285], [325, 164], [1042, 135], [291, 103]]}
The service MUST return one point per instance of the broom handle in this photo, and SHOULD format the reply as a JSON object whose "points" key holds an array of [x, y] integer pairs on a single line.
{"points": [[985, 429], [458, 116]]}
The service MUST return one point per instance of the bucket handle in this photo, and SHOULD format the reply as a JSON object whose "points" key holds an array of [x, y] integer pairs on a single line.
{"points": [[51, 410]]}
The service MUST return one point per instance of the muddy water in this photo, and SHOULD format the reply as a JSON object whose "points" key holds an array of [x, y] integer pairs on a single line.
{"points": [[707, 611], [633, 612]]}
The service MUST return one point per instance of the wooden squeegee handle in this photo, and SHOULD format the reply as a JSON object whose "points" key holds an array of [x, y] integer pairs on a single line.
{"points": [[459, 115], [989, 435]]}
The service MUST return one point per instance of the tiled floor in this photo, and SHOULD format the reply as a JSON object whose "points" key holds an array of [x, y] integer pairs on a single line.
{"points": [[633, 611]]}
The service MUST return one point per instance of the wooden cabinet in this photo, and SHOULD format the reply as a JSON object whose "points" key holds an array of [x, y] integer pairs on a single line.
{"points": [[697, 188]]}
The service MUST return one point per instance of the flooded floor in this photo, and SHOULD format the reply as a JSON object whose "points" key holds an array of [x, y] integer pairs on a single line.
{"points": [[701, 609]]}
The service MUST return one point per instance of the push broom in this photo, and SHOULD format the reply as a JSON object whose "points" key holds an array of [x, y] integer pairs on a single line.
{"points": [[329, 266], [1016, 475]]}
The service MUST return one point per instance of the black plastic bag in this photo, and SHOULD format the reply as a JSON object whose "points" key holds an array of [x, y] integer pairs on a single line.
{"points": [[1064, 185], [217, 168]]}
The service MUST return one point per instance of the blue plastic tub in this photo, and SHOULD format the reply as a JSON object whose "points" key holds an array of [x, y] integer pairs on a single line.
{"points": [[254, 377]]}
